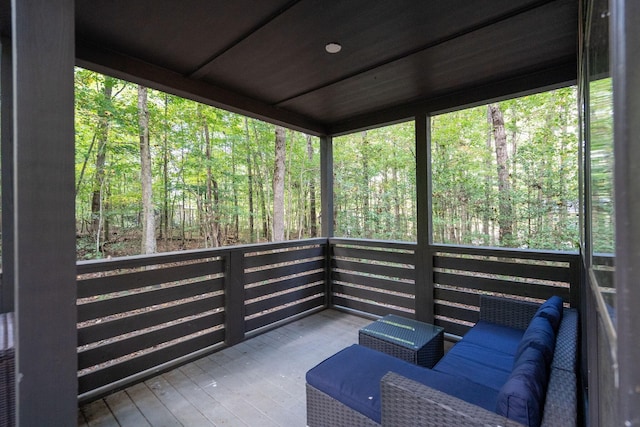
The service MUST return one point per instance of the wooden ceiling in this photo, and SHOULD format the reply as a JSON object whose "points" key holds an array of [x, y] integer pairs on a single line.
{"points": [[266, 58]]}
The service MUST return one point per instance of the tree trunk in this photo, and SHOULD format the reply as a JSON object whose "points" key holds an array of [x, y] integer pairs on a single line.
{"points": [[165, 173], [289, 222], [148, 217], [266, 226], [234, 187], [252, 227], [505, 220], [364, 186], [101, 156], [278, 184], [212, 226], [486, 216], [313, 216]]}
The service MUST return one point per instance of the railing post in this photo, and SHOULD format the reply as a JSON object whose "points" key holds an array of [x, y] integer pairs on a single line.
{"points": [[575, 282], [328, 293], [424, 258], [234, 297]]}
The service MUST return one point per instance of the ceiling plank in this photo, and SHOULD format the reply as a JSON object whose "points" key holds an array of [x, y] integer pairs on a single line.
{"points": [[201, 70], [400, 55]]}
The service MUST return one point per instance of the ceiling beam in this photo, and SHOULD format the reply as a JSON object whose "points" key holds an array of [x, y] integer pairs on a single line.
{"points": [[550, 77], [127, 68]]}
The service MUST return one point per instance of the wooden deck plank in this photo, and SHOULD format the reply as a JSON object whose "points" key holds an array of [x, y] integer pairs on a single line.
{"points": [[98, 414], [180, 407], [151, 407], [260, 381], [226, 387], [125, 411], [206, 404]]}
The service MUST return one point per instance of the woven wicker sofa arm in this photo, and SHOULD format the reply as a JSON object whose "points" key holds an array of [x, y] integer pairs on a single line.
{"points": [[406, 402], [507, 312]]}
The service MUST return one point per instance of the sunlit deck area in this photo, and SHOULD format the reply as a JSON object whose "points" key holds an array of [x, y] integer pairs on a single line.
{"points": [[257, 382]]}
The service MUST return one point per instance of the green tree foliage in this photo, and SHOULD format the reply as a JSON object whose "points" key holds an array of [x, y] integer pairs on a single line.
{"points": [[213, 174], [375, 183], [203, 161], [602, 197], [542, 149]]}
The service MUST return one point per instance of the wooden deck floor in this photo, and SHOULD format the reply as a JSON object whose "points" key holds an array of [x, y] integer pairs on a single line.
{"points": [[260, 382]]}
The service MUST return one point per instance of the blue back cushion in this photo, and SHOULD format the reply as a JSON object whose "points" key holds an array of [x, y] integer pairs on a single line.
{"points": [[488, 367], [539, 335], [352, 376], [495, 337], [523, 395], [552, 311]]}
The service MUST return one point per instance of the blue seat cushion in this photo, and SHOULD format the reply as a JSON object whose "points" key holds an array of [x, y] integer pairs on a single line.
{"points": [[495, 337], [551, 310], [540, 335], [478, 364], [352, 376], [523, 395]]}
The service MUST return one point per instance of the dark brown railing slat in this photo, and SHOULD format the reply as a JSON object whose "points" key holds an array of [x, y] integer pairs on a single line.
{"points": [[294, 255], [127, 281], [102, 308], [125, 325], [143, 341], [127, 368], [282, 285]]}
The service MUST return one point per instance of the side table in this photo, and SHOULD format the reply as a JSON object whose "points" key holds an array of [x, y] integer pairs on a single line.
{"points": [[416, 342]]}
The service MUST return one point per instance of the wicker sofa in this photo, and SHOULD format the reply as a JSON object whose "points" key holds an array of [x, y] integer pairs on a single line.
{"points": [[383, 390]]}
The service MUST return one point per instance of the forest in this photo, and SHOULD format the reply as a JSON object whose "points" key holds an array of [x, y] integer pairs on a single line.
{"points": [[155, 172]]}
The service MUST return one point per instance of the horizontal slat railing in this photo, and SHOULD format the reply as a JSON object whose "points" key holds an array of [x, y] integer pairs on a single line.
{"points": [[372, 276], [137, 313], [377, 278], [463, 273], [283, 280], [140, 315]]}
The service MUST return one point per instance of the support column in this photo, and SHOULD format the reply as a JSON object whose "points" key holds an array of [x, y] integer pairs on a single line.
{"points": [[626, 110], [326, 184], [6, 149], [326, 201], [44, 230], [424, 258]]}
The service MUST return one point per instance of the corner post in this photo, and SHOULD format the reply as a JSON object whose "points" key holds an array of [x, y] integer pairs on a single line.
{"points": [[424, 258], [43, 47], [326, 196], [625, 71], [7, 293]]}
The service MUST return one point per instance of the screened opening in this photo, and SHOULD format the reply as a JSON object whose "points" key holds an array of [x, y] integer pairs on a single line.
{"points": [[506, 174], [375, 183], [216, 178]]}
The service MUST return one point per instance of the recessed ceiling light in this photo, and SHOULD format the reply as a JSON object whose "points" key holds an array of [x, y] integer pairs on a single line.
{"points": [[333, 47]]}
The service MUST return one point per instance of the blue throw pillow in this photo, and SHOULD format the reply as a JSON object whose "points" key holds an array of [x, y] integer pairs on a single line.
{"points": [[552, 311], [539, 335], [523, 395]]}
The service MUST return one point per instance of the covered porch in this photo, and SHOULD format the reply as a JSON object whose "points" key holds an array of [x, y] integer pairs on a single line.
{"points": [[84, 330]]}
